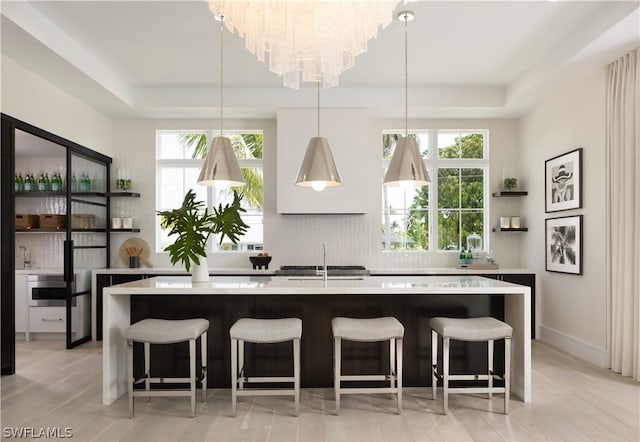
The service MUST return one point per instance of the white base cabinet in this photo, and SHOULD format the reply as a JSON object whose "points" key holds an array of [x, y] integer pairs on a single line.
{"points": [[21, 303], [47, 319], [29, 320]]}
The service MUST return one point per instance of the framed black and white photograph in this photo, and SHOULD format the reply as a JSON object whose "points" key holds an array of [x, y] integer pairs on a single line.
{"points": [[563, 244], [563, 181]]}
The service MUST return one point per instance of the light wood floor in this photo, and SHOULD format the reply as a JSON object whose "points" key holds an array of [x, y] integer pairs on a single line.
{"points": [[572, 400]]}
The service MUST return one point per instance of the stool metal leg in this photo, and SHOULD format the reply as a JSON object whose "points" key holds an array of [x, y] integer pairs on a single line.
{"points": [[392, 362], [147, 368], [203, 356], [130, 375], [490, 365], [507, 373], [445, 374], [434, 363], [241, 369], [192, 375], [337, 355], [234, 374], [296, 373], [399, 372]]}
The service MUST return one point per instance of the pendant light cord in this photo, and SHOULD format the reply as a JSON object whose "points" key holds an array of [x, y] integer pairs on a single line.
{"points": [[406, 81], [221, 71], [318, 91]]}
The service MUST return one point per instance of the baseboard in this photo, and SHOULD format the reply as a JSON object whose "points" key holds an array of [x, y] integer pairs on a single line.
{"points": [[576, 347], [47, 336]]}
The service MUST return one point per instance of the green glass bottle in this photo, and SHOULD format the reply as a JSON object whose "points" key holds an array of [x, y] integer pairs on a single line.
{"points": [[47, 183], [27, 183], [42, 186], [55, 184]]}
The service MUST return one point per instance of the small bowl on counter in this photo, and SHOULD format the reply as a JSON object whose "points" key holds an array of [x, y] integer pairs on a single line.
{"points": [[260, 262]]}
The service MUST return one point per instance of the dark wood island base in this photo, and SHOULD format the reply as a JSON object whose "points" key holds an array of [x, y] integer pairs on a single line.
{"points": [[316, 312]]}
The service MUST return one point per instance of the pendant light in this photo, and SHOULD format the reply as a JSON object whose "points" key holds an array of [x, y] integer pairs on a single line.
{"points": [[406, 168], [221, 168], [318, 169]]}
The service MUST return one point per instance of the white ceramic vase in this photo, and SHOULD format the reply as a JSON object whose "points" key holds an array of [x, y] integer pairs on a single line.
{"points": [[200, 272]]}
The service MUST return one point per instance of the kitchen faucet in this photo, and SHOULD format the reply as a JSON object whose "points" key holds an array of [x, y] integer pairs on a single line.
{"points": [[325, 271], [26, 257]]}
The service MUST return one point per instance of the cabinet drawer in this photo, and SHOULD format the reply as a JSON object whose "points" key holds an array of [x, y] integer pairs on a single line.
{"points": [[47, 319]]}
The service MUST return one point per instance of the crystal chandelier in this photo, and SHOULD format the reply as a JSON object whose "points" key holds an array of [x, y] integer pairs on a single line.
{"points": [[316, 39]]}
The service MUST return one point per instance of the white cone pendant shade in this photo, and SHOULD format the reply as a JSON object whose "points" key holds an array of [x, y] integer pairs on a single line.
{"points": [[221, 167], [318, 169], [407, 166]]}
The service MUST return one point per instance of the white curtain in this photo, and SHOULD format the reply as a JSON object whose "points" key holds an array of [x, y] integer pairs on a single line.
{"points": [[623, 231]]}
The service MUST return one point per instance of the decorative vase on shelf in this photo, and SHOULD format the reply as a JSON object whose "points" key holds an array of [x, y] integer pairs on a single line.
{"points": [[200, 272], [509, 179]]}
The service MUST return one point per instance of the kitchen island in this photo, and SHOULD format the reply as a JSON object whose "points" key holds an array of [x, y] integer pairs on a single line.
{"points": [[222, 300]]}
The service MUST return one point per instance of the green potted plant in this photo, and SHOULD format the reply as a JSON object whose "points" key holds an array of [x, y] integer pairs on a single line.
{"points": [[193, 224]]}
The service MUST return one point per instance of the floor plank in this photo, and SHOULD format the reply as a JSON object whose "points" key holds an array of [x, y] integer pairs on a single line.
{"points": [[572, 400]]}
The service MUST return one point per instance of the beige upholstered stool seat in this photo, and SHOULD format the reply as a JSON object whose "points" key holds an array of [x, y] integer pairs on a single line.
{"points": [[368, 330], [264, 331], [162, 331], [469, 329]]}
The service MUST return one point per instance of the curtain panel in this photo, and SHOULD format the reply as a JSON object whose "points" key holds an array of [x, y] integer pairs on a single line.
{"points": [[623, 193]]}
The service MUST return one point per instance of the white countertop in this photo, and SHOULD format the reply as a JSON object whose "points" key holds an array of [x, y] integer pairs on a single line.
{"points": [[248, 270], [179, 271], [282, 285], [445, 271], [39, 271]]}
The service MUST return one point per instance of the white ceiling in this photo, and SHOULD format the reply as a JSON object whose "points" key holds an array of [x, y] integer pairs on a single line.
{"points": [[466, 59]]}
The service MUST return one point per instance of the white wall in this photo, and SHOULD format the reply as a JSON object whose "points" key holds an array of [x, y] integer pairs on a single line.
{"points": [[34, 100], [297, 239], [572, 307]]}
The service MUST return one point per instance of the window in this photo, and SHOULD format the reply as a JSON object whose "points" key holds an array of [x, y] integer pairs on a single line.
{"points": [[179, 157], [458, 191]]}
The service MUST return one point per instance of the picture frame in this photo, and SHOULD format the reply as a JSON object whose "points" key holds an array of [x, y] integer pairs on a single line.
{"points": [[563, 181], [563, 244]]}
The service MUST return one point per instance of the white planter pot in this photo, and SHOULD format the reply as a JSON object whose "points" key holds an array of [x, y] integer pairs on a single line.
{"points": [[200, 272]]}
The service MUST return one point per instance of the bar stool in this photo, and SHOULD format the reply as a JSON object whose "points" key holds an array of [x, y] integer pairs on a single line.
{"points": [[161, 331], [369, 330], [262, 331], [471, 329]]}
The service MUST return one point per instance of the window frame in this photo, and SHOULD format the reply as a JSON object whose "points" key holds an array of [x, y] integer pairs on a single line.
{"points": [[433, 164], [182, 163]]}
